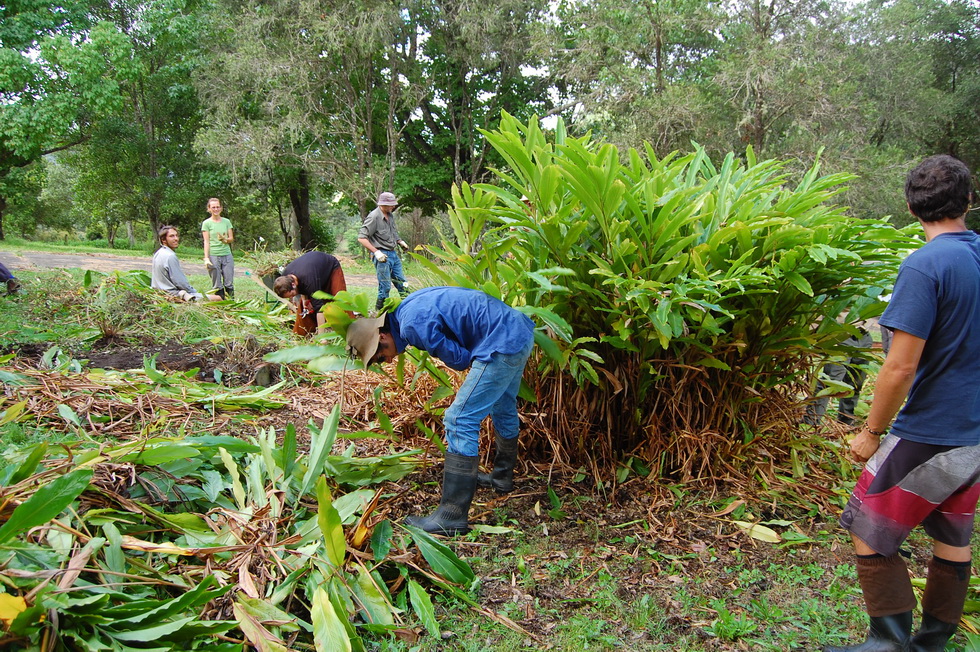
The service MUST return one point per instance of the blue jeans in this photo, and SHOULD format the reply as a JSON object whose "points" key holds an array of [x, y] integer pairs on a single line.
{"points": [[389, 272], [5, 274], [490, 388]]}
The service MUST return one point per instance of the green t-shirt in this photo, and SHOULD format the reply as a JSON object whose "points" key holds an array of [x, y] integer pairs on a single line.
{"points": [[222, 226]]}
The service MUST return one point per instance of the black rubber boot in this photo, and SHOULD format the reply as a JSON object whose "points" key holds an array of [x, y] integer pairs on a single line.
{"points": [[886, 634], [502, 476], [230, 293], [942, 604], [933, 634], [458, 487], [220, 292]]}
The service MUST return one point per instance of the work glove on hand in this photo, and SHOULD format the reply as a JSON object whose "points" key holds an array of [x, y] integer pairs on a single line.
{"points": [[380, 256], [403, 245]]}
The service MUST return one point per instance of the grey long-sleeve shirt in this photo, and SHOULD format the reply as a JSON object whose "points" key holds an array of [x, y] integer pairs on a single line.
{"points": [[167, 275], [379, 231]]}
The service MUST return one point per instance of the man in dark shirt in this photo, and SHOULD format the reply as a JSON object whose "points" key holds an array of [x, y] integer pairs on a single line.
{"points": [[466, 329], [312, 272]]}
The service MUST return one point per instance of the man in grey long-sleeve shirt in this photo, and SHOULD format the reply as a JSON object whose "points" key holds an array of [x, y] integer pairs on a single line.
{"points": [[379, 236], [166, 273]]}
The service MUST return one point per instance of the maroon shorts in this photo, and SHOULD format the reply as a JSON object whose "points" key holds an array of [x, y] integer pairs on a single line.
{"points": [[906, 483]]}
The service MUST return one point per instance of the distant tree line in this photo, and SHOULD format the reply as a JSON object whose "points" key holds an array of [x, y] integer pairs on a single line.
{"points": [[117, 116]]}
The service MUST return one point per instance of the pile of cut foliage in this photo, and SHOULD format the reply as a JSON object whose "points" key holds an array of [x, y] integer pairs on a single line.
{"points": [[212, 542], [149, 527]]}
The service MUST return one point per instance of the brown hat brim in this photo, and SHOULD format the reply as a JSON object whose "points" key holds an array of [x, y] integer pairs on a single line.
{"points": [[363, 336]]}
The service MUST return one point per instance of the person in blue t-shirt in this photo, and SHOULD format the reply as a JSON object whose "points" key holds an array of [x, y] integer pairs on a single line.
{"points": [[926, 470], [466, 329]]}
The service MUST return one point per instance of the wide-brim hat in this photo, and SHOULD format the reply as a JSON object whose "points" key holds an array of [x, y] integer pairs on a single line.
{"points": [[387, 199], [363, 336]]}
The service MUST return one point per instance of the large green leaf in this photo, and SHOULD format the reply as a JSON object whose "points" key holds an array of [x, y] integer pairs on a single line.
{"points": [[375, 605], [256, 632], [26, 468], [422, 605], [320, 446], [152, 633], [442, 560], [330, 524], [329, 632], [47, 502]]}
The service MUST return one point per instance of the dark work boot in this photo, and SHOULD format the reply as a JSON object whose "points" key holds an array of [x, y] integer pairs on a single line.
{"points": [[458, 487], [502, 476], [942, 604], [230, 293], [886, 634], [887, 590], [220, 292], [932, 635]]}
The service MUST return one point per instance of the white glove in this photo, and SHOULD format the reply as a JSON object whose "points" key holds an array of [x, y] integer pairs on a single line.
{"points": [[380, 256], [403, 245]]}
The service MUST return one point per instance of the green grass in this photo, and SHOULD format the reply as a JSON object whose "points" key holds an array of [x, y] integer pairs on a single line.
{"points": [[14, 243]]}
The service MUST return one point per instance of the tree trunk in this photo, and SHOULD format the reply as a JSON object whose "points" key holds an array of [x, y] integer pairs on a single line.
{"points": [[131, 234], [283, 226], [299, 198], [110, 232], [3, 209]]}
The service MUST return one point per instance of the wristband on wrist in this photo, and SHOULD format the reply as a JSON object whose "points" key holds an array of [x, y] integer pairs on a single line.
{"points": [[876, 433]]}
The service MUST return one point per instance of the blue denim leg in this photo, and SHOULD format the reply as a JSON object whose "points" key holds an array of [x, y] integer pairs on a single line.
{"points": [[489, 388], [5, 274], [397, 273], [383, 271], [506, 422]]}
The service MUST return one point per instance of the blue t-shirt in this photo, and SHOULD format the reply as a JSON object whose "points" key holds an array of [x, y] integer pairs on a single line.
{"points": [[937, 298], [458, 325]]}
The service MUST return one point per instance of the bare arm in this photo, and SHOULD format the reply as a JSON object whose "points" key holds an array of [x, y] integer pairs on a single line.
{"points": [[207, 245], [891, 389]]}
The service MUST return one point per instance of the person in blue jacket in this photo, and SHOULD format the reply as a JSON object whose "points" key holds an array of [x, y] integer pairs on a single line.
{"points": [[7, 278], [466, 329]]}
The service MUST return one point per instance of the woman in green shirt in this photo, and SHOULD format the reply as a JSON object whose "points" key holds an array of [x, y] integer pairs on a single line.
{"points": [[218, 234]]}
